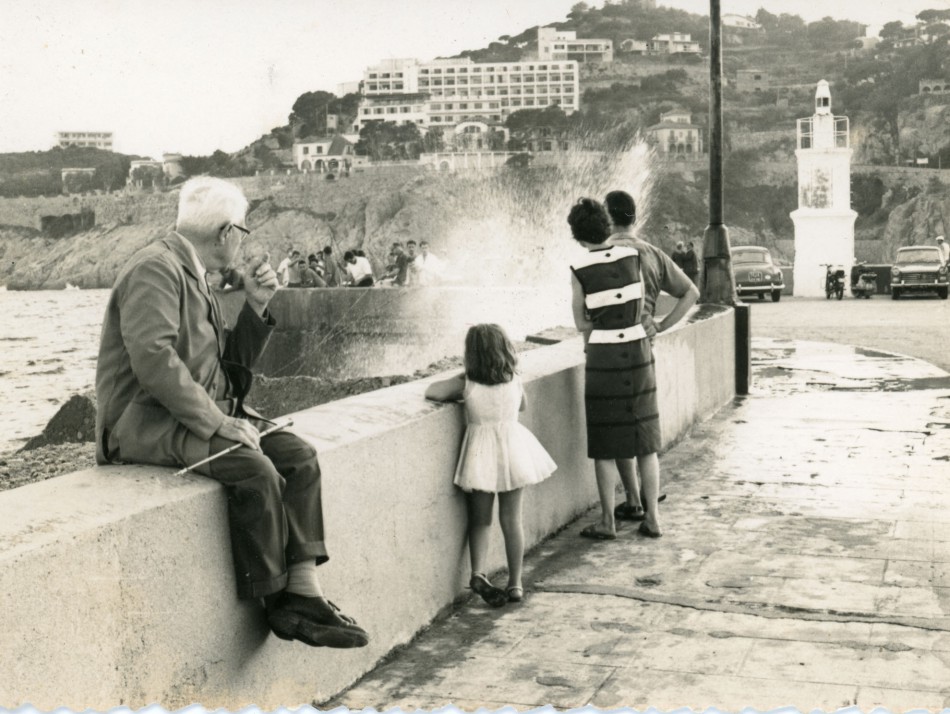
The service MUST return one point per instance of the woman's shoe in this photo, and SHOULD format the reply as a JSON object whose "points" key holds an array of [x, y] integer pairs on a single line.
{"points": [[626, 512], [515, 593], [645, 530], [482, 586]]}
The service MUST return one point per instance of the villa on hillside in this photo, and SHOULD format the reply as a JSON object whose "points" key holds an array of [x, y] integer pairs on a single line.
{"points": [[632, 46], [556, 44], [331, 153], [739, 29], [933, 86], [751, 80], [93, 139], [674, 43], [676, 135]]}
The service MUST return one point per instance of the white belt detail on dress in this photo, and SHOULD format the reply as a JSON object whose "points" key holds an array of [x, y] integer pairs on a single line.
{"points": [[617, 296], [613, 337], [605, 255]]}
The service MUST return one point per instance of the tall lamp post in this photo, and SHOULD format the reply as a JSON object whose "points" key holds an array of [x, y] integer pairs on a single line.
{"points": [[718, 284]]}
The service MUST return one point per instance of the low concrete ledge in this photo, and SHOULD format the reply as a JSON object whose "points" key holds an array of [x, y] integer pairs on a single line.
{"points": [[117, 585]]}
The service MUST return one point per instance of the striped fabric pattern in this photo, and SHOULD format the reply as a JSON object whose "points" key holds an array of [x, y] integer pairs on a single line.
{"points": [[620, 383]]}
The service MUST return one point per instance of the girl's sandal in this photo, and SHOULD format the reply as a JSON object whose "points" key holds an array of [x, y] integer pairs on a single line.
{"points": [[515, 593], [495, 597]]}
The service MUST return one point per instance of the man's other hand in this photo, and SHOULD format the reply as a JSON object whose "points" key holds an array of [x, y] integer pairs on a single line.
{"points": [[241, 431], [260, 283]]}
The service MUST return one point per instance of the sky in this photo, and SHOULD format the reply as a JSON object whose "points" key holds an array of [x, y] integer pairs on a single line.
{"points": [[192, 76]]}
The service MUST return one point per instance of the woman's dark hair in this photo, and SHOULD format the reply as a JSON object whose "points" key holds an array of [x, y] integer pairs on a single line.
{"points": [[588, 221], [622, 209], [489, 355], [348, 254]]}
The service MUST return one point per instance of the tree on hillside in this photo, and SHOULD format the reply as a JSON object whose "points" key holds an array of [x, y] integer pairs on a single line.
{"points": [[891, 30], [434, 140], [388, 141], [829, 33], [578, 10], [929, 16], [310, 113]]}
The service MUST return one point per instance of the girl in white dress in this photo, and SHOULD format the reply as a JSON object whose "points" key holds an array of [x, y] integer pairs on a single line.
{"points": [[499, 455]]}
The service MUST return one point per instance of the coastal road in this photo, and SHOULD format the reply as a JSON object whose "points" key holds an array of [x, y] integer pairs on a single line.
{"points": [[915, 326]]}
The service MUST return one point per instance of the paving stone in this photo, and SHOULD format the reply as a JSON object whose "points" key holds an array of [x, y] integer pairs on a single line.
{"points": [[666, 691], [896, 700], [836, 664]]}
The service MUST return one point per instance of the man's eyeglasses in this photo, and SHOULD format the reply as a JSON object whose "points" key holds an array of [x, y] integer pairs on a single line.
{"points": [[245, 232]]}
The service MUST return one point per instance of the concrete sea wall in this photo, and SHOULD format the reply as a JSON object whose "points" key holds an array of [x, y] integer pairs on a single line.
{"points": [[358, 332], [116, 582]]}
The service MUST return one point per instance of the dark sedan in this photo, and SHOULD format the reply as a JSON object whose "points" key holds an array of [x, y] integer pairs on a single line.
{"points": [[756, 274]]}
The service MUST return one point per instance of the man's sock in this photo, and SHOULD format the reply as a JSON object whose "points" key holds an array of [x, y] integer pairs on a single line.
{"points": [[302, 579]]}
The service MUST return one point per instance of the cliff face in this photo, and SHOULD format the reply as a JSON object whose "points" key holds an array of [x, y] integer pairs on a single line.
{"points": [[924, 126], [506, 228]]}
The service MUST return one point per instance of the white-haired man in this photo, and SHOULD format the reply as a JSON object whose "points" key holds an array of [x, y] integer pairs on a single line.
{"points": [[170, 384]]}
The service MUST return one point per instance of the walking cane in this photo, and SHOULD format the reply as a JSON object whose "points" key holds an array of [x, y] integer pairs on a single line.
{"points": [[269, 430]]}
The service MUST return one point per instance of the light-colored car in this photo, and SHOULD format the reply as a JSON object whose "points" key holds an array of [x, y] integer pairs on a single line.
{"points": [[755, 272], [919, 268]]}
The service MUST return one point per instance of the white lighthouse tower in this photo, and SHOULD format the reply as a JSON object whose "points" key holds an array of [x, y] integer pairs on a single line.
{"points": [[824, 221]]}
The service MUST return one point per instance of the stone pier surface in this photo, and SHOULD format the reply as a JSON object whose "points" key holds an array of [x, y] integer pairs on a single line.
{"points": [[805, 563]]}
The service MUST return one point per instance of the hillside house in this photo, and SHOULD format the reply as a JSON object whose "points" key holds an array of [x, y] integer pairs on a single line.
{"points": [[739, 29], [331, 153], [555, 45], [92, 139], [751, 80], [933, 86], [674, 43], [676, 135], [635, 47]]}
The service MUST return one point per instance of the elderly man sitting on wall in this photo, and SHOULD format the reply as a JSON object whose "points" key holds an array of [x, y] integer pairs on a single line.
{"points": [[170, 384]]}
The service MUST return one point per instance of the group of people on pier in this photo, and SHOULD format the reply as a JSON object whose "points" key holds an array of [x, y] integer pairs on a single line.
{"points": [[172, 378], [407, 265]]}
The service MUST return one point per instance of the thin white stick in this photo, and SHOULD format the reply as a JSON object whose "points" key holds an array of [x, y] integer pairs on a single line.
{"points": [[268, 430]]}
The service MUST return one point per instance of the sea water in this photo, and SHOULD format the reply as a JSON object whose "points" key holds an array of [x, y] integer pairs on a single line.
{"points": [[49, 342]]}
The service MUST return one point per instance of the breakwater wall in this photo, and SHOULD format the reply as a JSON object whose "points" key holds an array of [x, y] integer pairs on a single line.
{"points": [[117, 581], [342, 333]]}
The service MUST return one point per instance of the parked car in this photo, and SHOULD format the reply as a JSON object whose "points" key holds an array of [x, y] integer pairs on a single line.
{"points": [[755, 272], [919, 268]]}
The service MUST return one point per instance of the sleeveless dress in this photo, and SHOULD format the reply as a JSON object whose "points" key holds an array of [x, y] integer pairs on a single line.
{"points": [[498, 453], [620, 383]]}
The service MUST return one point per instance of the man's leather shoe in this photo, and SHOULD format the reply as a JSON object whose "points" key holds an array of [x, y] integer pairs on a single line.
{"points": [[313, 621]]}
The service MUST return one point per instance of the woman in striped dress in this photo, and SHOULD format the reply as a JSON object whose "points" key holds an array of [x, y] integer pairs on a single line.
{"points": [[614, 295]]}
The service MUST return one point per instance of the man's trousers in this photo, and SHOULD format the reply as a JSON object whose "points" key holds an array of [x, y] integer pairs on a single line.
{"points": [[275, 513]]}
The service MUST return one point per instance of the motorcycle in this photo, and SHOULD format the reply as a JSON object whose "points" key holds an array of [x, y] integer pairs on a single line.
{"points": [[863, 282], [834, 281]]}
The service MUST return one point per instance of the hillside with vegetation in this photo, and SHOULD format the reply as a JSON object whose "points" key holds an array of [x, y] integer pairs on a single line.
{"points": [[877, 87]]}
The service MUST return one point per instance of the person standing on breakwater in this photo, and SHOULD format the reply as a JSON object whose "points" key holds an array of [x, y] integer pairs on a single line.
{"points": [[614, 297], [359, 270], [170, 384], [691, 264], [334, 274], [498, 455]]}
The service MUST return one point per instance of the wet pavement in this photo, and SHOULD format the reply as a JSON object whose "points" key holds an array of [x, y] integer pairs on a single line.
{"points": [[805, 563]]}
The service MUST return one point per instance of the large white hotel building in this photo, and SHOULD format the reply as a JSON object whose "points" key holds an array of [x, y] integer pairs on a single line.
{"points": [[449, 92]]}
